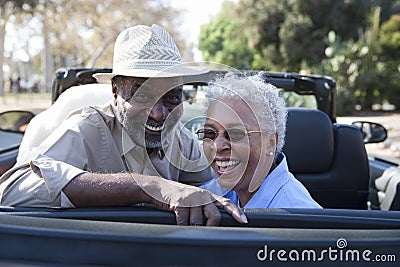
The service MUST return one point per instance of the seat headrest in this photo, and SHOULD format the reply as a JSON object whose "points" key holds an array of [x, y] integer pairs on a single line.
{"points": [[309, 144]]}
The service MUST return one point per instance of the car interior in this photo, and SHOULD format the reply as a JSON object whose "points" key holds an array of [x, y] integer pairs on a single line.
{"points": [[388, 189], [329, 159]]}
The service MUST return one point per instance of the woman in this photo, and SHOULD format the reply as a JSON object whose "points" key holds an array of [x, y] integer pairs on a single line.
{"points": [[243, 138]]}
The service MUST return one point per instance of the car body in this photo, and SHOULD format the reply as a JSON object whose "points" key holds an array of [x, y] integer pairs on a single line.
{"points": [[345, 233], [13, 124], [9, 149]]}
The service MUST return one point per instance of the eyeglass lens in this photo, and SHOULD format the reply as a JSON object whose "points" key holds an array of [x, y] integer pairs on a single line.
{"points": [[229, 134]]}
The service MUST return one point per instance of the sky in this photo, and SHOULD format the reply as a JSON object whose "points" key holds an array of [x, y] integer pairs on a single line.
{"points": [[196, 13]]}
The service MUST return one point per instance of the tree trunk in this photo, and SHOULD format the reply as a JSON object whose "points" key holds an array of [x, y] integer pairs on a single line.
{"points": [[47, 58], [2, 39]]}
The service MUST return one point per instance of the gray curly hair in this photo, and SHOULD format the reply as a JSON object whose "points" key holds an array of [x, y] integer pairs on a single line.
{"points": [[262, 97]]}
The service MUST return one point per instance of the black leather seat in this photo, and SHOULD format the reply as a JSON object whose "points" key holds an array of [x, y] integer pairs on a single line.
{"points": [[329, 159]]}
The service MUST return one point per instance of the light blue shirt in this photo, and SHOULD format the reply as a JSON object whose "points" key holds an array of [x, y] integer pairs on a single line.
{"points": [[280, 189]]}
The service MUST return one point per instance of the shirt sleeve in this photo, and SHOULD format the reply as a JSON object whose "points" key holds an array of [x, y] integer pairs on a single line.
{"points": [[56, 175], [39, 184], [64, 155]]}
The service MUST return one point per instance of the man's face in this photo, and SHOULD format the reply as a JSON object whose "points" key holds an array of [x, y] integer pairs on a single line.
{"points": [[147, 108]]}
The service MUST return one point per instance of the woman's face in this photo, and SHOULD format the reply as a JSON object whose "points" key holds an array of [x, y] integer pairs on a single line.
{"points": [[238, 162]]}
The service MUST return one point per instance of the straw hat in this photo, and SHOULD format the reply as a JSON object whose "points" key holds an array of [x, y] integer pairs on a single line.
{"points": [[143, 51]]}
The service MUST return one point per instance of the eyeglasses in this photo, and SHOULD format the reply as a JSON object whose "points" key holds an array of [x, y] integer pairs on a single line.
{"points": [[233, 135]]}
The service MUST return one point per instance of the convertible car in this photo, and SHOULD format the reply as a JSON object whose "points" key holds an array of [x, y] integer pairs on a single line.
{"points": [[359, 225]]}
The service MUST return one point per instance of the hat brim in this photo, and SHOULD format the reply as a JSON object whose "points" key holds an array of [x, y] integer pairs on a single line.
{"points": [[170, 72]]}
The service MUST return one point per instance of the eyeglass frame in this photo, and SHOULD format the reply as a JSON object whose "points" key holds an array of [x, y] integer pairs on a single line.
{"points": [[226, 134]]}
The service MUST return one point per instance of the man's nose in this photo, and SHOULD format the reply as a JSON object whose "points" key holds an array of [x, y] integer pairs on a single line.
{"points": [[159, 112]]}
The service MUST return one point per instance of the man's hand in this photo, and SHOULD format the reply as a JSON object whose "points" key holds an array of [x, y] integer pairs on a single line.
{"points": [[188, 202]]}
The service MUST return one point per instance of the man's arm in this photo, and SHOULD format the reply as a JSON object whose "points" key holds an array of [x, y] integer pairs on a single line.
{"points": [[124, 189], [98, 189]]}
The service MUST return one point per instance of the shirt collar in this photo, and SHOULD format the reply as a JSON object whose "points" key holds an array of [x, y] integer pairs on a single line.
{"points": [[272, 183]]}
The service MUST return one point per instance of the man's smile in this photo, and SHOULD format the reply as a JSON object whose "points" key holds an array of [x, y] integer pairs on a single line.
{"points": [[154, 128]]}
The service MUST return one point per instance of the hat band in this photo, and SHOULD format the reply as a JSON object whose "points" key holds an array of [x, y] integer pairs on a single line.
{"points": [[151, 65]]}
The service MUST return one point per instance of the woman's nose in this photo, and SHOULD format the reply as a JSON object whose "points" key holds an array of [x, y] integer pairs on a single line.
{"points": [[221, 143]]}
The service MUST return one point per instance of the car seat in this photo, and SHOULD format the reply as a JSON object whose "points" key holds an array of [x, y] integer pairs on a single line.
{"points": [[388, 187], [328, 158], [76, 97]]}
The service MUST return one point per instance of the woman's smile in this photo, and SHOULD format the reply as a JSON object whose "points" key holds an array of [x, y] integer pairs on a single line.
{"points": [[225, 165]]}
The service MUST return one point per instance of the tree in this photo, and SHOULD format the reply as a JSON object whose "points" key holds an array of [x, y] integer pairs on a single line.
{"points": [[7, 9], [82, 33], [262, 22], [389, 44], [293, 36], [341, 63], [222, 41], [368, 82], [367, 67], [287, 33]]}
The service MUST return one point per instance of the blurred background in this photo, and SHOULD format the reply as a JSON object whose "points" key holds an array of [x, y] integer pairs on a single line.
{"points": [[357, 42]]}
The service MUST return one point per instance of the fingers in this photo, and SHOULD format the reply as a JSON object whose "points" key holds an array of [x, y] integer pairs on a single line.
{"points": [[212, 214], [189, 216], [190, 204], [231, 208], [182, 216], [196, 216]]}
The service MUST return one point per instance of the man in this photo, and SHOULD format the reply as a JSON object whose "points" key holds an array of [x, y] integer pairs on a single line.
{"points": [[116, 155]]}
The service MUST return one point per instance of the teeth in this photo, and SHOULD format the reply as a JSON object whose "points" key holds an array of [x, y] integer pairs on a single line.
{"points": [[224, 164], [155, 129]]}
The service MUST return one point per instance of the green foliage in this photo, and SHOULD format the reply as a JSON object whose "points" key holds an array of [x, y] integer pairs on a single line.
{"points": [[341, 63], [389, 39], [263, 21], [355, 65], [286, 33], [294, 100], [295, 46], [222, 41], [345, 103], [389, 44], [345, 18]]}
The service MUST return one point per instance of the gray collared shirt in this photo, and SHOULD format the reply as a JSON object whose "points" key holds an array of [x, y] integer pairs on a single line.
{"points": [[92, 140]]}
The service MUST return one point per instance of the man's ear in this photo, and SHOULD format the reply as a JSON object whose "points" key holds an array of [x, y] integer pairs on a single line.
{"points": [[114, 90]]}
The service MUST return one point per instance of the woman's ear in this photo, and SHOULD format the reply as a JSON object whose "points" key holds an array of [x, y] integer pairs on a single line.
{"points": [[272, 141]]}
